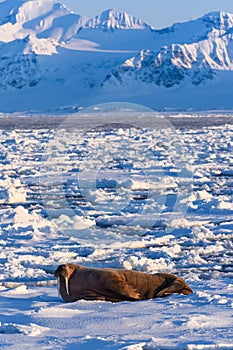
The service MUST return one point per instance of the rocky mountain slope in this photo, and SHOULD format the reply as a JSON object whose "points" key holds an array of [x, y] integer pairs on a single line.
{"points": [[51, 57], [172, 64]]}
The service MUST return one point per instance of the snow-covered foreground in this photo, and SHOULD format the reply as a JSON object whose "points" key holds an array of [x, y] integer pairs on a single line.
{"points": [[137, 195], [35, 318]]}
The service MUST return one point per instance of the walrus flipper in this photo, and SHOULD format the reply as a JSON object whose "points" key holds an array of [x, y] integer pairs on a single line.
{"points": [[120, 288], [177, 286]]}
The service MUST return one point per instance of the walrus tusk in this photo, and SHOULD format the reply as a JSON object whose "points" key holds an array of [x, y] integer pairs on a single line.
{"points": [[67, 285]]}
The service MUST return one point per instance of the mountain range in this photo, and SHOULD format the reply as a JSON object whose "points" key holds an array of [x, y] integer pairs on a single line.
{"points": [[54, 59]]}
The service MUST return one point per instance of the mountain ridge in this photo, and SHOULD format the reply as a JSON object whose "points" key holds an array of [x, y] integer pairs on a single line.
{"points": [[172, 64], [45, 47], [114, 19]]}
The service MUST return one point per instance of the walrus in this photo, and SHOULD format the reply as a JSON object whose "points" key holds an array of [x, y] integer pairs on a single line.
{"points": [[77, 282]]}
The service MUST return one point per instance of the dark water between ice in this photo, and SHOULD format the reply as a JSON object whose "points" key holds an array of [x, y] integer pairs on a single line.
{"points": [[190, 121]]}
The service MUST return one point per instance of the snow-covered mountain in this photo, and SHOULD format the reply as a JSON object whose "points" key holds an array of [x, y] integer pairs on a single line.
{"points": [[20, 69], [114, 19], [172, 64], [51, 57], [44, 18], [212, 24]]}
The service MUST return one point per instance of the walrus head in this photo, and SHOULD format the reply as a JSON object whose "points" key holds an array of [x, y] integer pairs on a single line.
{"points": [[64, 272]]}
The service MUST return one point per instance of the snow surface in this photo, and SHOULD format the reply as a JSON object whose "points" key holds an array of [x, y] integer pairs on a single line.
{"points": [[131, 193]]}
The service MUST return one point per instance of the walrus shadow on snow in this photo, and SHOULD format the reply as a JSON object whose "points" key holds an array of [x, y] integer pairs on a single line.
{"points": [[77, 282]]}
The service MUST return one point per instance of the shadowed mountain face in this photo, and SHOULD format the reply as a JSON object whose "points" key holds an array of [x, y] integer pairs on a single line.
{"points": [[52, 57]]}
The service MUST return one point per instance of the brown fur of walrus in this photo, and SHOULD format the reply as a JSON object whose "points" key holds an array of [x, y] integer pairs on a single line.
{"points": [[79, 282]]}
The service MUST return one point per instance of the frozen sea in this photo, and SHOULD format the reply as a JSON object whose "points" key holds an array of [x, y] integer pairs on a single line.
{"points": [[135, 190]]}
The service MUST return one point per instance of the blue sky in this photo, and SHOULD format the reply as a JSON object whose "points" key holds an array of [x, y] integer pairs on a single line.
{"points": [[158, 13]]}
